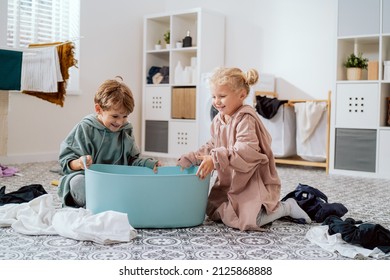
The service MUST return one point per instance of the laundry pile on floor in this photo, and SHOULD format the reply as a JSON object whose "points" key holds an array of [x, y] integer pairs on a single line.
{"points": [[348, 237], [30, 210], [40, 217]]}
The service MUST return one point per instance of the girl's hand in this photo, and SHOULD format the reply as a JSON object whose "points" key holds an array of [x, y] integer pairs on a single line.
{"points": [[206, 166]]}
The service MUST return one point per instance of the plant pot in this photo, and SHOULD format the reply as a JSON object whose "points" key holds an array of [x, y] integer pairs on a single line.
{"points": [[167, 46], [157, 47], [354, 74]]}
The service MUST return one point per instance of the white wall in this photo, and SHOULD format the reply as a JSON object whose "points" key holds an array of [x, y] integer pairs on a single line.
{"points": [[294, 40]]}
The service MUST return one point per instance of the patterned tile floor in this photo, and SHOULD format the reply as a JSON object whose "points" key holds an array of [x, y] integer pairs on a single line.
{"points": [[367, 199]]}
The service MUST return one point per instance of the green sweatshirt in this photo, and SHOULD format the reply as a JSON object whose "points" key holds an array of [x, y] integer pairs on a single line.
{"points": [[90, 137]]}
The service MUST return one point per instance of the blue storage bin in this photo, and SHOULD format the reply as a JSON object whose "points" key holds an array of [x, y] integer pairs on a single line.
{"points": [[169, 199]]}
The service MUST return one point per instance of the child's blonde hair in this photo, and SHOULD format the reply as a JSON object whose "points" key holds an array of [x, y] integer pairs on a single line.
{"points": [[234, 78], [113, 93]]}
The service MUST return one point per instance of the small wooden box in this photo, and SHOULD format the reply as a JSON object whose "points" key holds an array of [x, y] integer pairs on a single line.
{"points": [[183, 103], [373, 70]]}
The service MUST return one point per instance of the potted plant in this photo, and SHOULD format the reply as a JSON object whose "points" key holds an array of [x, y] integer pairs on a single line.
{"points": [[157, 46], [355, 64], [167, 39]]}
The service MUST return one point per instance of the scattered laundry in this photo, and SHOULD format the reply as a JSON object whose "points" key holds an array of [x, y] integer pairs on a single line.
{"points": [[315, 203], [367, 235], [334, 243], [41, 217], [24, 194], [7, 171]]}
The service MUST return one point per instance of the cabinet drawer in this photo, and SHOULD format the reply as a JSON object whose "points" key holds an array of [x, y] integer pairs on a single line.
{"points": [[157, 103], [386, 16], [357, 105], [156, 136], [358, 17], [182, 137], [355, 149], [183, 103]]}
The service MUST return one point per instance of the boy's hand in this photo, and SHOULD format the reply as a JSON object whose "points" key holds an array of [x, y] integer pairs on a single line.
{"points": [[87, 160], [78, 164], [155, 168]]}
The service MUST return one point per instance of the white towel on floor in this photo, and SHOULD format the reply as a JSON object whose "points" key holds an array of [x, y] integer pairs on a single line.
{"points": [[104, 228], [41, 70], [35, 218], [40, 217], [334, 243], [308, 116]]}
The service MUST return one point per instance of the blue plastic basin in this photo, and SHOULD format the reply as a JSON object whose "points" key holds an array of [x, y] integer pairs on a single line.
{"points": [[169, 199]]}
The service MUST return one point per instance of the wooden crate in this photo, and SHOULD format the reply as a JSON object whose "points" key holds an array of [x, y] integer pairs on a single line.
{"points": [[372, 70], [183, 103]]}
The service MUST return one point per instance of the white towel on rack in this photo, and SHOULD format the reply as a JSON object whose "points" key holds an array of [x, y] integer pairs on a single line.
{"points": [[41, 70], [308, 115]]}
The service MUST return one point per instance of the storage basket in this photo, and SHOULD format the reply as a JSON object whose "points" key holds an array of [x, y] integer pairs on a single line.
{"points": [[282, 128], [169, 199], [314, 148], [386, 70]]}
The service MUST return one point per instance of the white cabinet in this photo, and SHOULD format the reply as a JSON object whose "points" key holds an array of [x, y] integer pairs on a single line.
{"points": [[359, 119], [171, 103], [384, 148], [356, 105]]}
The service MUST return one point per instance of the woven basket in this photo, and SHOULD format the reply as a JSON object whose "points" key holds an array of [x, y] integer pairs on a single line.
{"points": [[354, 74]]}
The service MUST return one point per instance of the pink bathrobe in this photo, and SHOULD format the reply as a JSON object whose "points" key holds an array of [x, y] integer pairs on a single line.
{"points": [[247, 177]]}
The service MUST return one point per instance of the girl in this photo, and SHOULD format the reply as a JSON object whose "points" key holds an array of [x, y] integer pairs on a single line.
{"points": [[246, 191]]}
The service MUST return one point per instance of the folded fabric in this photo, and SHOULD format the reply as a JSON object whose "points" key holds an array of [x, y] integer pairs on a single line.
{"points": [[40, 217], [41, 70], [334, 243], [308, 116], [367, 235], [23, 194], [152, 71], [10, 69], [67, 60], [268, 107]]}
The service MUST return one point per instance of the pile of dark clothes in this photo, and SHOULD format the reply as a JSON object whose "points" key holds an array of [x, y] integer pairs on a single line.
{"points": [[268, 107], [24, 194], [354, 232], [161, 72], [315, 204]]}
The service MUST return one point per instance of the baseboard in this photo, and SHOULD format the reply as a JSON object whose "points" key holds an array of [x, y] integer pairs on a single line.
{"points": [[27, 158]]}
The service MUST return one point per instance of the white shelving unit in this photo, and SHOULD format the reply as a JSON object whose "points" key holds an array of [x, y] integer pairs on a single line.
{"points": [[360, 134], [164, 132]]}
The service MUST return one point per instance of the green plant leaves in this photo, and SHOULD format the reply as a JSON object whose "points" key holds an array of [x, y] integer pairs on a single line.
{"points": [[354, 61]]}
